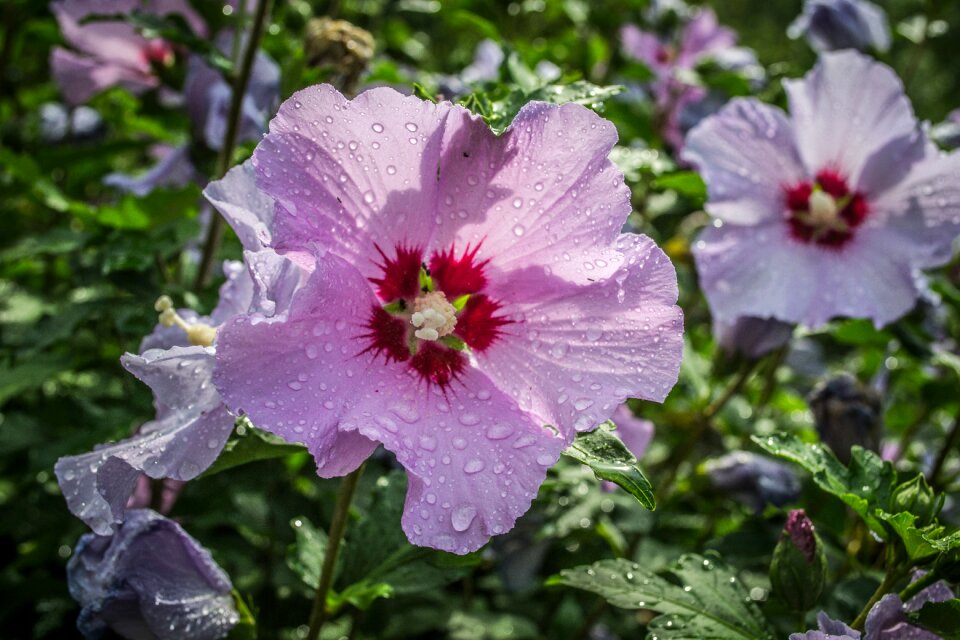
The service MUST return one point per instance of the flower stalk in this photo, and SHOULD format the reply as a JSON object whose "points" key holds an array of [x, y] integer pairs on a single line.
{"points": [[241, 81], [338, 526]]}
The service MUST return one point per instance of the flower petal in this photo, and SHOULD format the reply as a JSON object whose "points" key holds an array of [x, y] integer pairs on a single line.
{"points": [[743, 271], [342, 173], [248, 210], [191, 428], [543, 193], [850, 113], [82, 77], [473, 459], [313, 371], [575, 353], [746, 154], [923, 210]]}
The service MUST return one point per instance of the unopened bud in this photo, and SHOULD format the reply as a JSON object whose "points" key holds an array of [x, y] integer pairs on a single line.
{"points": [[799, 563], [344, 48], [847, 414], [915, 496]]}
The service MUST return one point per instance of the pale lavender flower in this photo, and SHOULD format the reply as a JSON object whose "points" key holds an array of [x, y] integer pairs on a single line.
{"points": [[173, 169], [150, 581], [111, 52], [829, 25], [636, 433], [830, 212]]}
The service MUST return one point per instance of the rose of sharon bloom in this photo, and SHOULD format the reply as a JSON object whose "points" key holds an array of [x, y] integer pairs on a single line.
{"points": [[467, 290], [111, 52], [150, 581], [829, 25], [191, 425], [702, 38], [829, 212]]}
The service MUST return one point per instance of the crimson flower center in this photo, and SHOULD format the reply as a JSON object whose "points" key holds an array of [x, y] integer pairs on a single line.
{"points": [[825, 211], [432, 312], [158, 52]]}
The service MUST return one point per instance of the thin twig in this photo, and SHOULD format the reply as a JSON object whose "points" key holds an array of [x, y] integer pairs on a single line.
{"points": [[211, 244]]}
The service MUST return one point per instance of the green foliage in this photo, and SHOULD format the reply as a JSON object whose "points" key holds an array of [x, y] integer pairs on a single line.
{"points": [[697, 597], [942, 618], [609, 458]]}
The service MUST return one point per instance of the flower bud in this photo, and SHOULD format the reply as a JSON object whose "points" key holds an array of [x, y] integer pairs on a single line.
{"points": [[846, 414], [829, 25], [799, 563], [915, 496], [343, 47]]}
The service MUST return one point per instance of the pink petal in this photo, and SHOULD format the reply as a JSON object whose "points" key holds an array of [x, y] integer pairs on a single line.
{"points": [[577, 352], [80, 78], [313, 372], [473, 459], [342, 171], [635, 432], [702, 37], [542, 194], [850, 113], [746, 154], [645, 47], [248, 210]]}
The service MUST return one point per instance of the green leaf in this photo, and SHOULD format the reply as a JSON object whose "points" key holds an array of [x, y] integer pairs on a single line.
{"points": [[379, 562], [917, 546], [942, 618], [246, 627], [699, 597], [609, 458], [499, 113], [305, 556], [490, 626], [249, 444], [865, 486], [686, 183]]}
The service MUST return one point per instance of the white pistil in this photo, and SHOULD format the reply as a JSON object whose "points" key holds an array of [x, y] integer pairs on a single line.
{"points": [[198, 334], [823, 209], [433, 316]]}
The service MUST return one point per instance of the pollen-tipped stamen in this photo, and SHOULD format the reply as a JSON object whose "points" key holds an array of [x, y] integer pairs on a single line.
{"points": [[199, 334]]}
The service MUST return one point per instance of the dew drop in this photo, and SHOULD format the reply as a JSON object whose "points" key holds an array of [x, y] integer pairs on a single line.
{"points": [[462, 517]]}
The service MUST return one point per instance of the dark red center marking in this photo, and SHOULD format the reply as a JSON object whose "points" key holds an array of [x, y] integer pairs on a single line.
{"points": [[158, 51], [389, 332], [852, 206]]}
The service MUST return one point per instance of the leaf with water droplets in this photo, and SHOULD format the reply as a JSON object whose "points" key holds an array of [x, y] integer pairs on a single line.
{"points": [[250, 445], [609, 458], [865, 486], [700, 597]]}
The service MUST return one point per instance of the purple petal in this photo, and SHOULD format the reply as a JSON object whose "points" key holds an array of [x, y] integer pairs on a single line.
{"points": [[187, 436], [829, 25], [150, 580], [645, 47], [580, 351], [746, 155], [82, 77], [702, 37], [635, 432], [174, 169], [923, 210], [486, 63], [887, 620], [828, 630], [851, 114], [248, 210], [743, 271]]}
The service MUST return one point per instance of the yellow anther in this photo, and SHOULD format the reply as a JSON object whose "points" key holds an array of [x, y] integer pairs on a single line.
{"points": [[163, 303]]}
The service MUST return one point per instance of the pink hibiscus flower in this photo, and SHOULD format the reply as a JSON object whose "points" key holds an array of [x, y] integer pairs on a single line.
{"points": [[111, 52], [832, 211], [466, 290]]}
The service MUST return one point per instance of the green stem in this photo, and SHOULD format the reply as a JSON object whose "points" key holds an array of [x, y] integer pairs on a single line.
{"points": [[318, 614], [889, 580], [949, 445], [917, 586], [242, 80]]}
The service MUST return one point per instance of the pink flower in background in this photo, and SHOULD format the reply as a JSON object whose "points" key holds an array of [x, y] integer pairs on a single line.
{"points": [[467, 290], [635, 432], [831, 211], [700, 39], [111, 52]]}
